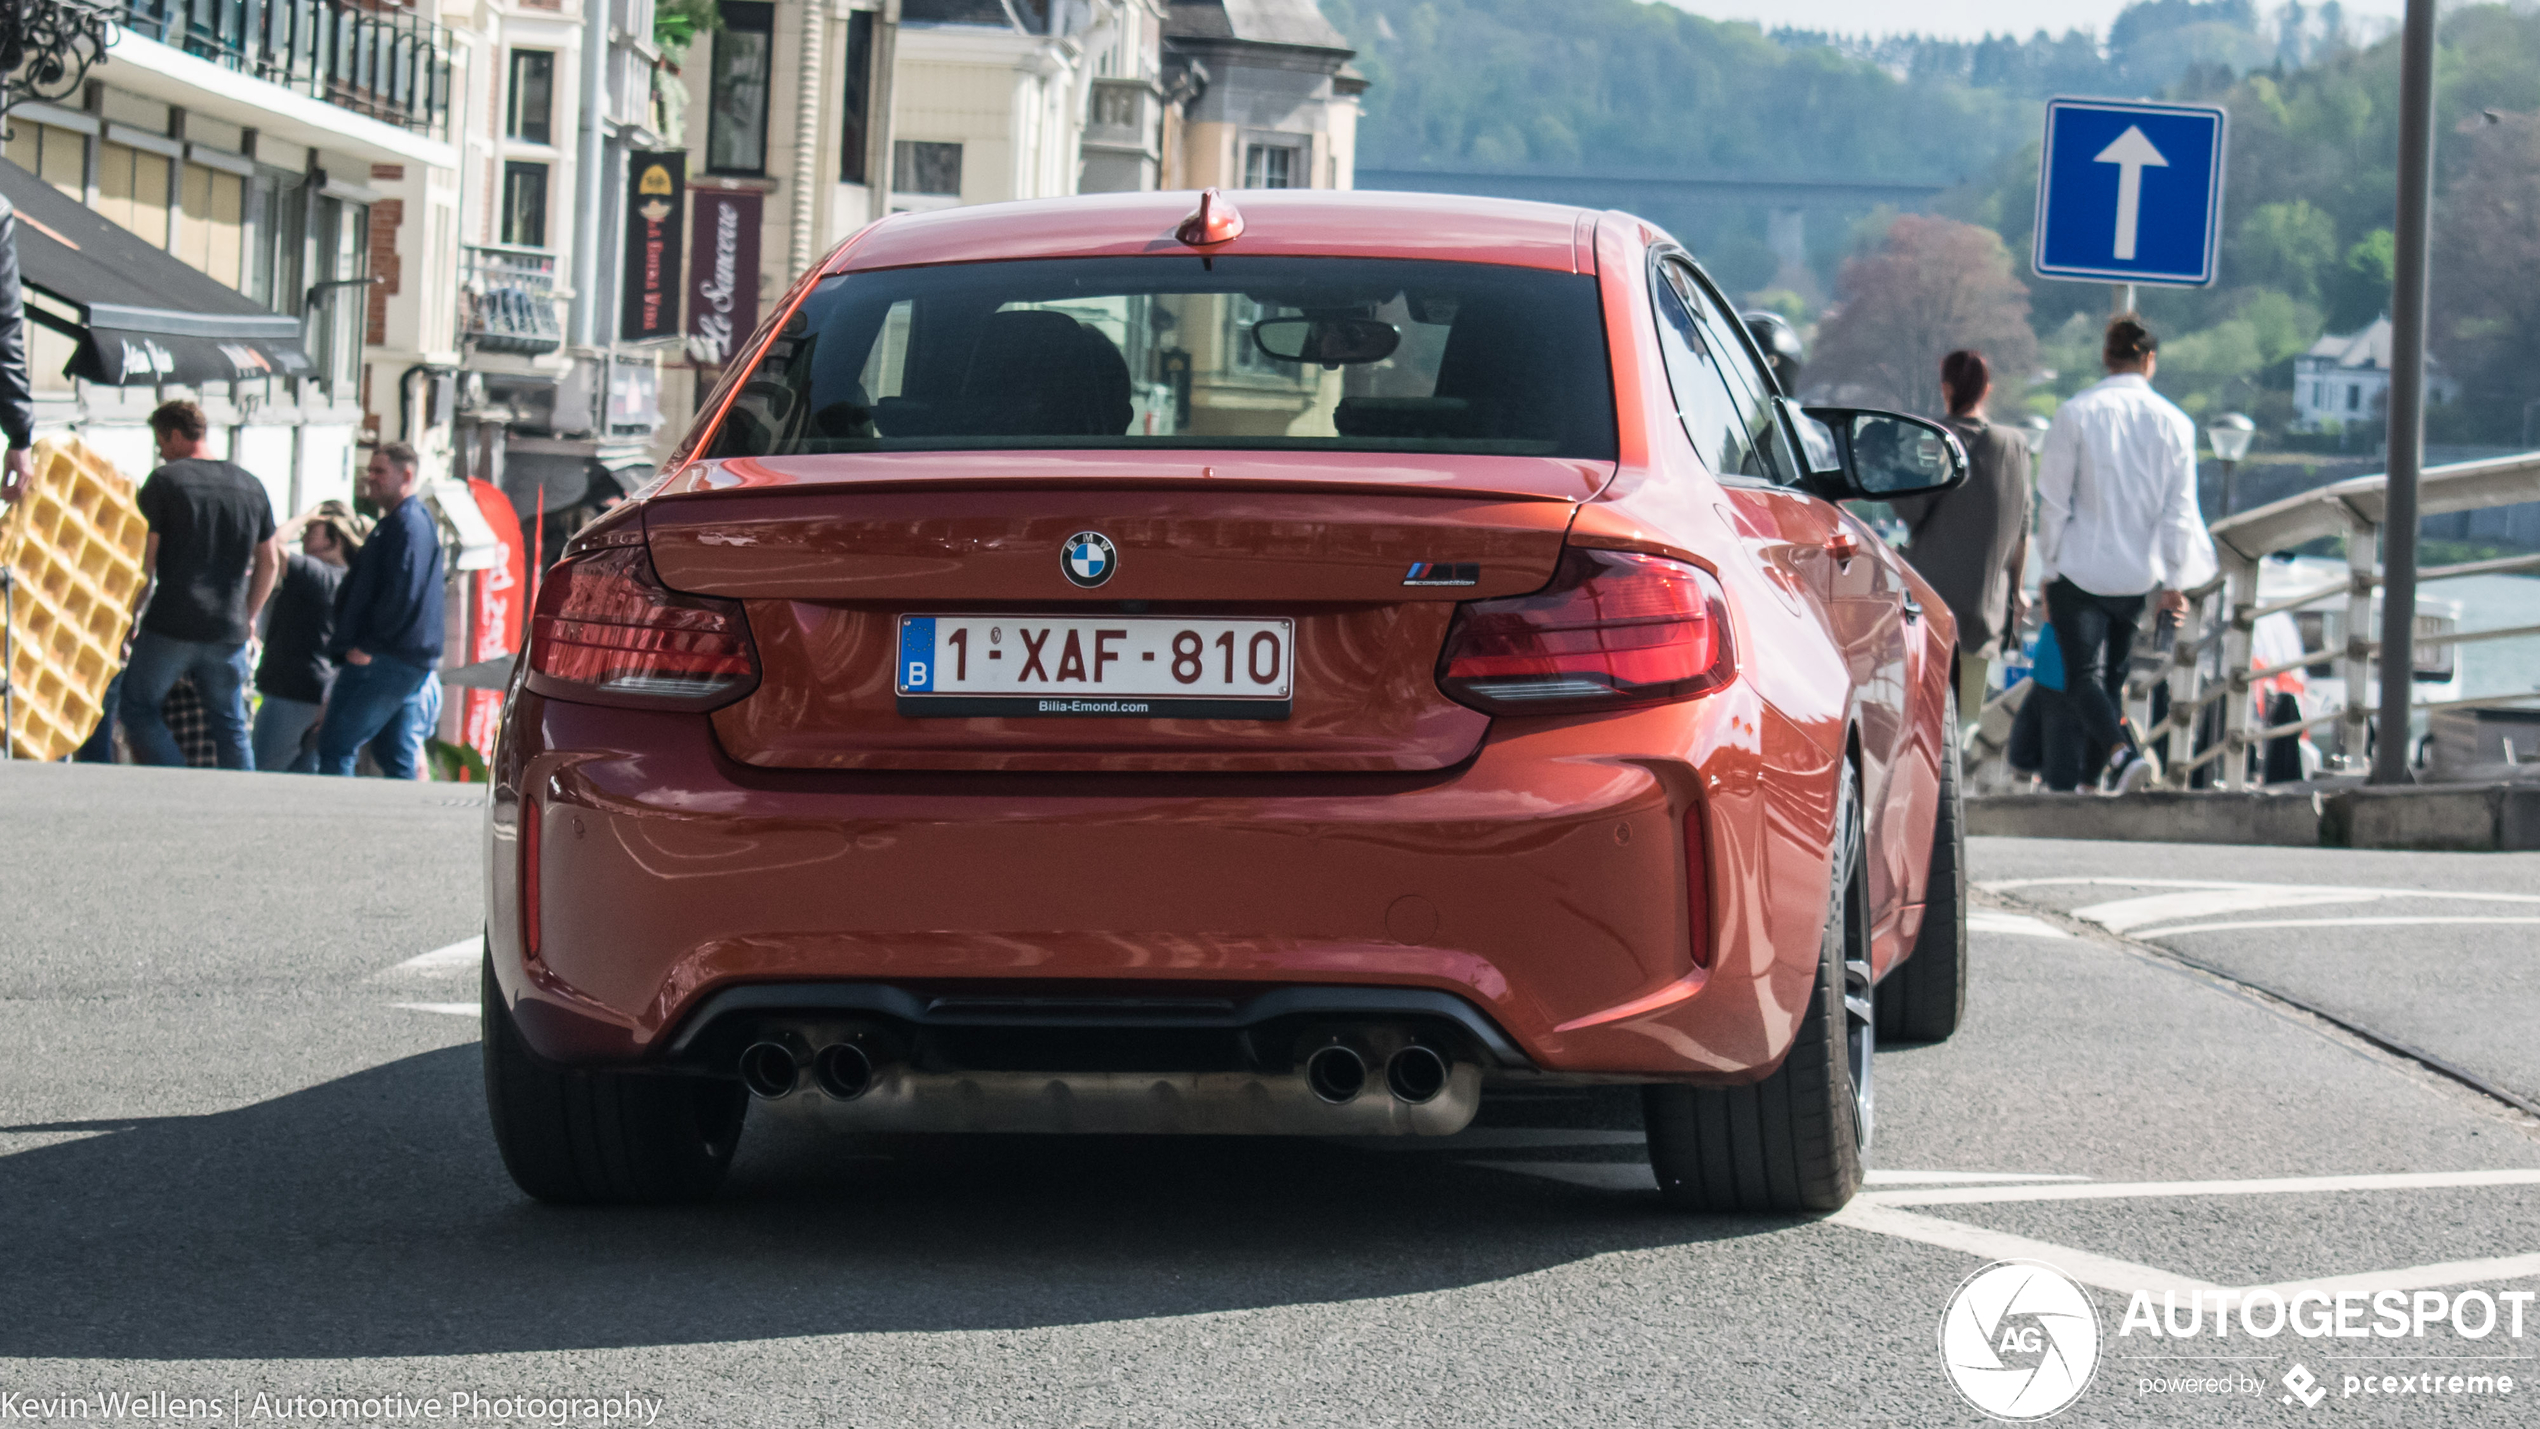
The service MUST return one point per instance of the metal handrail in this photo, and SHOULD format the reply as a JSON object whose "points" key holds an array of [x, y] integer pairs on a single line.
{"points": [[2225, 610], [2353, 509]]}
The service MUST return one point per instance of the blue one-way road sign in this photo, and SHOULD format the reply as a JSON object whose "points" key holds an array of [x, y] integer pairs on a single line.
{"points": [[2130, 193]]}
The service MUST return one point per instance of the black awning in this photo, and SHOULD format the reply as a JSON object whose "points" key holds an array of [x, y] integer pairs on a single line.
{"points": [[145, 317]]}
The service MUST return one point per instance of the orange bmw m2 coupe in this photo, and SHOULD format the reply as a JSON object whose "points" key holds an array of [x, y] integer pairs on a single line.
{"points": [[1293, 666]]}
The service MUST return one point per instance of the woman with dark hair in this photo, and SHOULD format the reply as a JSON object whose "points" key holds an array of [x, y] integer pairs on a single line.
{"points": [[293, 677], [1971, 542]]}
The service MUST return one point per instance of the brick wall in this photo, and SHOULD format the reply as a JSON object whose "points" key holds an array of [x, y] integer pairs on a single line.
{"points": [[385, 217]]}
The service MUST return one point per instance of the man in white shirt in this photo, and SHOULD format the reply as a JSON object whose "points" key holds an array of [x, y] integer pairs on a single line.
{"points": [[2117, 522]]}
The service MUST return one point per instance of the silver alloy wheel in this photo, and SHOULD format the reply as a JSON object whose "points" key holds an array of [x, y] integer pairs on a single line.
{"points": [[1860, 1002], [1861, 1038]]}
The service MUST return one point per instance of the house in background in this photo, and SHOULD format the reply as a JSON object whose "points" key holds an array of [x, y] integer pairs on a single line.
{"points": [[2345, 378]]}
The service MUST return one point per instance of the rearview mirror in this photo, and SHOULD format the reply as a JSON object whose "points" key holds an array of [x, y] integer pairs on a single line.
{"points": [[1876, 455], [1328, 342]]}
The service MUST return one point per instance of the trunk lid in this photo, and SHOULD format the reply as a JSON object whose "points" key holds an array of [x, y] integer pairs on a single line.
{"points": [[830, 553]]}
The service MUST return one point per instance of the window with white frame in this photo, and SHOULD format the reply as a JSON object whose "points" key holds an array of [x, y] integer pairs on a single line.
{"points": [[1271, 166]]}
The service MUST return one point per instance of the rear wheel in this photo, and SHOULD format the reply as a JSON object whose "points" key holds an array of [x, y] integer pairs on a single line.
{"points": [[1793, 1141], [1925, 997], [579, 1137]]}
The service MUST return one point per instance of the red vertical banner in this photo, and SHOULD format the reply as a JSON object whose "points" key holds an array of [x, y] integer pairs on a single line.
{"points": [[496, 616]]}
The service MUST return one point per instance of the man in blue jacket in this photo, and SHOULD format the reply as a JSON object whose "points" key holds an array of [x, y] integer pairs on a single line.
{"points": [[388, 626]]}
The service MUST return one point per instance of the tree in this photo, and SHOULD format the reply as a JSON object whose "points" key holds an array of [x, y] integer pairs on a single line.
{"points": [[1932, 286], [2487, 268], [2286, 246]]}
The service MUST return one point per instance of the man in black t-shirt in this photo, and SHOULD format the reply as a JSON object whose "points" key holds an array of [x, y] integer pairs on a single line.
{"points": [[213, 557]]}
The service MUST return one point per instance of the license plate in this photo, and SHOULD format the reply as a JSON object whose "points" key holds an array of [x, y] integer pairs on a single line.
{"points": [[1120, 666]]}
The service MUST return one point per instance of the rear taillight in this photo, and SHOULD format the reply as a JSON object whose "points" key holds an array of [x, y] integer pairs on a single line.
{"points": [[608, 632], [1614, 629]]}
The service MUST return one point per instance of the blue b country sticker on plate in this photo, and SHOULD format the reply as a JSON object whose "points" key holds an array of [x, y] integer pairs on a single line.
{"points": [[917, 653]]}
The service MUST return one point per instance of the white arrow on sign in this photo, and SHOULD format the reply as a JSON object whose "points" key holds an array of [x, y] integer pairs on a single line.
{"points": [[2131, 153]]}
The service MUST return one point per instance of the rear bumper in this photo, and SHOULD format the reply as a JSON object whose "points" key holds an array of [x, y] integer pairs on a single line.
{"points": [[1539, 889]]}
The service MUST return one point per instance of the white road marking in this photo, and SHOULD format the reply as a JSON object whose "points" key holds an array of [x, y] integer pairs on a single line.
{"points": [[442, 960], [2163, 932], [1871, 1213], [1994, 920], [1880, 1212], [2126, 914], [2150, 1190], [2413, 1277], [1954, 1178], [446, 1009]]}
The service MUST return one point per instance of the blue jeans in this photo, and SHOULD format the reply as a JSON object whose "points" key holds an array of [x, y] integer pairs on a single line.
{"points": [[412, 727], [220, 675], [366, 701], [282, 735]]}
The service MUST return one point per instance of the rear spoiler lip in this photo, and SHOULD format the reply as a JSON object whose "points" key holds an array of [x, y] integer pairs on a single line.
{"points": [[1570, 480]]}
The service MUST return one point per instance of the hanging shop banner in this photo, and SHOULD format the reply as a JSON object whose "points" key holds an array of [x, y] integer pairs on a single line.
{"points": [[722, 274], [655, 185], [497, 616]]}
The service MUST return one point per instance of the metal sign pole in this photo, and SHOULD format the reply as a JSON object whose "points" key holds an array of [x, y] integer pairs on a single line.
{"points": [[2407, 395]]}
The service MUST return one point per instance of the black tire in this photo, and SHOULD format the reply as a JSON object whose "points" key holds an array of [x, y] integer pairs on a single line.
{"points": [[1924, 998], [576, 1137], [1793, 1141]]}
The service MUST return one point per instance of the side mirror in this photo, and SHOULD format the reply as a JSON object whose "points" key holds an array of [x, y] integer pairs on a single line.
{"points": [[1329, 342], [1876, 455]]}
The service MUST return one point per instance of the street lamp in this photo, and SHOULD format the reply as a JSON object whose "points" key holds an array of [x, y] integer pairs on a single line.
{"points": [[2033, 431], [2231, 434]]}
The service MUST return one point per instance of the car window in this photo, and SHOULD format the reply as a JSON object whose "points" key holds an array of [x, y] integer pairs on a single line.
{"points": [[1748, 384], [1380, 355], [1712, 414]]}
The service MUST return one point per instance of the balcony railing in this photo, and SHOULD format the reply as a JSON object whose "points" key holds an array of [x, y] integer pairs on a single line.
{"points": [[507, 299], [377, 60]]}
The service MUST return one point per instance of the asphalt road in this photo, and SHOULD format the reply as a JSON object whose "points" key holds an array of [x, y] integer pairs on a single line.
{"points": [[242, 1153]]}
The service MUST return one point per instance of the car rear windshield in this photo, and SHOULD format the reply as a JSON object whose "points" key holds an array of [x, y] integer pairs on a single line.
{"points": [[1273, 354]]}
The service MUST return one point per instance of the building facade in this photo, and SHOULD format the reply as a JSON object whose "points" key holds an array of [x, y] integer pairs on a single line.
{"points": [[554, 382], [244, 156], [807, 121]]}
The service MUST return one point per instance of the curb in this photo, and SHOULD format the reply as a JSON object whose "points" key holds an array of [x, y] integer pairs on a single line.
{"points": [[2460, 818]]}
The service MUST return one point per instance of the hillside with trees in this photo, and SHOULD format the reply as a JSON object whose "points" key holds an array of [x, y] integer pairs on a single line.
{"points": [[1618, 86]]}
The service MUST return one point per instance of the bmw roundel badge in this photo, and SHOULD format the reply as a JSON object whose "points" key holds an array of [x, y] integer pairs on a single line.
{"points": [[1089, 558]]}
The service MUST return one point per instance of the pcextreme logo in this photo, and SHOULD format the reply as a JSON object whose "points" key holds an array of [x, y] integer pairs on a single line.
{"points": [[2020, 1339]]}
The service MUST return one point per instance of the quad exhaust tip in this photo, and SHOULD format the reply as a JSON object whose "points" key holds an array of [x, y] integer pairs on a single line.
{"points": [[768, 1069], [843, 1071], [1336, 1074], [1416, 1075]]}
